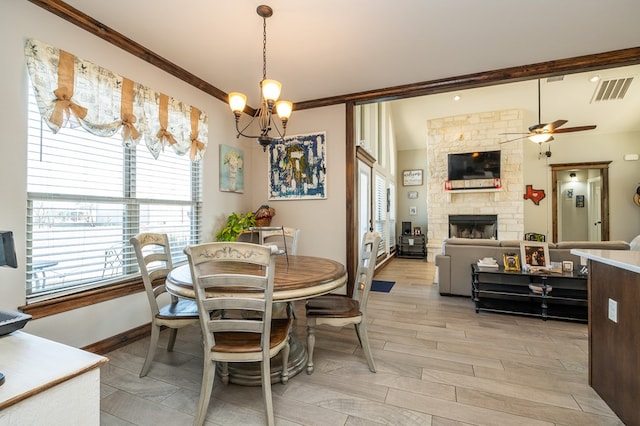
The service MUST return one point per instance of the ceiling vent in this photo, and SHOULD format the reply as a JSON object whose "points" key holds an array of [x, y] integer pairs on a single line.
{"points": [[610, 90]]}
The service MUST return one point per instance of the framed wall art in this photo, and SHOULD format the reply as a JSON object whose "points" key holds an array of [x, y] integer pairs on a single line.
{"points": [[231, 169], [297, 168], [412, 177]]}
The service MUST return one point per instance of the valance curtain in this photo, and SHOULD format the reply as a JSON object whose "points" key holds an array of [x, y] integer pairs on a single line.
{"points": [[74, 92]]}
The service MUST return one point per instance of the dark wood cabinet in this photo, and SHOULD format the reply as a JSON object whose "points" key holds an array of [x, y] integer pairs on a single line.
{"points": [[412, 246], [547, 295]]}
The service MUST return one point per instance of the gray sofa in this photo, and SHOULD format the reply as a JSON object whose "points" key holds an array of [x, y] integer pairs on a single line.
{"points": [[454, 264]]}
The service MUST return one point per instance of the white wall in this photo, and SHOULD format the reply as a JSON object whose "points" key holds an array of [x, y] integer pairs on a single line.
{"points": [[415, 159], [624, 177], [321, 222], [20, 20]]}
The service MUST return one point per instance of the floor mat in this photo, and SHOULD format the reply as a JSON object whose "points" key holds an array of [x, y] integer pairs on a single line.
{"points": [[382, 286]]}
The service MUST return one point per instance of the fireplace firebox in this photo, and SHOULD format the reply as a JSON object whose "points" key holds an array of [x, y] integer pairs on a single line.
{"points": [[473, 226]]}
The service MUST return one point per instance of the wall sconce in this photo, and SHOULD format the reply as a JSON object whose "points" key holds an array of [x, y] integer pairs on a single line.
{"points": [[573, 177]]}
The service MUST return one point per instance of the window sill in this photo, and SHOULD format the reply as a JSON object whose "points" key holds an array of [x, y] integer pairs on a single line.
{"points": [[82, 299]]}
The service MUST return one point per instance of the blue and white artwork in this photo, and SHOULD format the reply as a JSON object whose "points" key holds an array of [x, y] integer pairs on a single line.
{"points": [[297, 168]]}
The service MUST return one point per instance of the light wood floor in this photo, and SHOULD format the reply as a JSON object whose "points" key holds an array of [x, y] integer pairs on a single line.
{"points": [[439, 363]]}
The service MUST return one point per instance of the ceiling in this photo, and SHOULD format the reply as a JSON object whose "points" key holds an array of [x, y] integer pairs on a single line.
{"points": [[331, 48]]}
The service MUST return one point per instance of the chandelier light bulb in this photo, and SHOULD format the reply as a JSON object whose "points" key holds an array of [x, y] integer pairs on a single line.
{"points": [[270, 89], [237, 102], [284, 108]]}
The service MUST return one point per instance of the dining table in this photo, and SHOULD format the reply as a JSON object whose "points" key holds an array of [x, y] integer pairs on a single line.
{"points": [[295, 278]]}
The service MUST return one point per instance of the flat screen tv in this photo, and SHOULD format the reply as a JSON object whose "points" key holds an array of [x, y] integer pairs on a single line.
{"points": [[474, 165]]}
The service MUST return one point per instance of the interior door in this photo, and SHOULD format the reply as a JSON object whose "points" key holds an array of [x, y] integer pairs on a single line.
{"points": [[594, 212]]}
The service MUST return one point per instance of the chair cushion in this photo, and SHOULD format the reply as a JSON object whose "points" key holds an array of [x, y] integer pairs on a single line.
{"points": [[183, 308], [229, 342], [333, 306]]}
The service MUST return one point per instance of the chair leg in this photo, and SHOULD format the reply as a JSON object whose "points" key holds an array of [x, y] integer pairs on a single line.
{"points": [[208, 376], [153, 344], [361, 330], [291, 310], [311, 343], [284, 377], [225, 373], [266, 390], [172, 339]]}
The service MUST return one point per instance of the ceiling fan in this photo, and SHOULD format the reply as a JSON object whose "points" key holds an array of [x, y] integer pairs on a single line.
{"points": [[542, 132]]}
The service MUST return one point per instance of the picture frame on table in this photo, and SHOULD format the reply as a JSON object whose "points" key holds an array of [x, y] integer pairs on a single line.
{"points": [[534, 255], [511, 261], [412, 177]]}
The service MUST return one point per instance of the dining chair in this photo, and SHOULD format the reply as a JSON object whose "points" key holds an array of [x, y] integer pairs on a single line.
{"points": [[340, 310], [153, 253], [236, 277], [285, 238]]}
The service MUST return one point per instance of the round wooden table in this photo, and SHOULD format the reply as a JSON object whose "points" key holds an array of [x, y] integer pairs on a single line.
{"points": [[301, 277]]}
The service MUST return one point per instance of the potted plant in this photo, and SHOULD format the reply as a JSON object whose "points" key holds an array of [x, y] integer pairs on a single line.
{"points": [[236, 224]]}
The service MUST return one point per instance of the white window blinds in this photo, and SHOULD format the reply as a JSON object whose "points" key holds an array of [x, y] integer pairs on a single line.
{"points": [[87, 195]]}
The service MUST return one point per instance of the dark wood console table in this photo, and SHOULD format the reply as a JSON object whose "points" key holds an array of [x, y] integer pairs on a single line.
{"points": [[547, 295]]}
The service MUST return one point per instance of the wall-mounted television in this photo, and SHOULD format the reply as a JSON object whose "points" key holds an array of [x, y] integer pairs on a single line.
{"points": [[474, 165]]}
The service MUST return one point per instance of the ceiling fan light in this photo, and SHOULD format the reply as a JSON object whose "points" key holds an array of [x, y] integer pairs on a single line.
{"points": [[270, 89], [540, 137], [237, 102]]}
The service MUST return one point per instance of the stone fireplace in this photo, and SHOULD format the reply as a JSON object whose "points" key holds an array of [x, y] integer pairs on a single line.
{"points": [[469, 133], [473, 226]]}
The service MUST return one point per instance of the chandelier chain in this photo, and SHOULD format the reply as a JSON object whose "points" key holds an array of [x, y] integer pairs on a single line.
{"points": [[264, 48]]}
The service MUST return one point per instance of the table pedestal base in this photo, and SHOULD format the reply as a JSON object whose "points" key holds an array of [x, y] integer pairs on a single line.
{"points": [[248, 373]]}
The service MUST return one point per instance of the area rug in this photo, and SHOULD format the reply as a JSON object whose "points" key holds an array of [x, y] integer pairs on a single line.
{"points": [[382, 286]]}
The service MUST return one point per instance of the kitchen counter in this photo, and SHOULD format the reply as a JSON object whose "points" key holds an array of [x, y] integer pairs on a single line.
{"points": [[614, 327]]}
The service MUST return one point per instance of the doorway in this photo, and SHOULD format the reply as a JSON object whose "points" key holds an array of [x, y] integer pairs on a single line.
{"points": [[591, 206]]}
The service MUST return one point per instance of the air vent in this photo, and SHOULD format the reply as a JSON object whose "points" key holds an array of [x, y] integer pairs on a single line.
{"points": [[609, 90]]}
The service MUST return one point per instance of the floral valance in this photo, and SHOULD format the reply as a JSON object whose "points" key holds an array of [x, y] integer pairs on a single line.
{"points": [[74, 92]]}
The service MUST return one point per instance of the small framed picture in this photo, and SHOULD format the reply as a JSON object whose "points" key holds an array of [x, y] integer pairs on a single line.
{"points": [[412, 194], [412, 177], [511, 261], [535, 255], [567, 265], [413, 210], [417, 230], [579, 200]]}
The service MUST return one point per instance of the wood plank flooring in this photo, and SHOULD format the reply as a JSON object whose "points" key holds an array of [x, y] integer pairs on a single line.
{"points": [[439, 363]]}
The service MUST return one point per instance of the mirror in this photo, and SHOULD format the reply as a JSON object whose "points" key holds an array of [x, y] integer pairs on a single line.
{"points": [[580, 201]]}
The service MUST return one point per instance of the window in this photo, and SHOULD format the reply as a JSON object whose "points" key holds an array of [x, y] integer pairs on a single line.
{"points": [[382, 206], [87, 195]]}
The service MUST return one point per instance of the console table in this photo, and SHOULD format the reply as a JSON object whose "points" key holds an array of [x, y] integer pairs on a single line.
{"points": [[414, 246], [542, 294]]}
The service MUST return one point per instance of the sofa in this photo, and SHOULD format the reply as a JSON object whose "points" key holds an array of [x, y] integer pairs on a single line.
{"points": [[454, 263]]}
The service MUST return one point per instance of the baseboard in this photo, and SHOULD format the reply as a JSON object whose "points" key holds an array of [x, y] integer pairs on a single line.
{"points": [[119, 340]]}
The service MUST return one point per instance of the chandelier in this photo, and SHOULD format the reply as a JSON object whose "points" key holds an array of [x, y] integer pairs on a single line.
{"points": [[269, 94]]}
